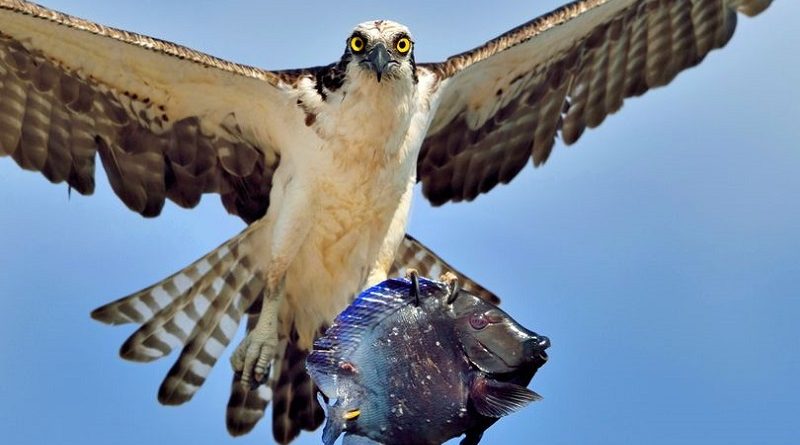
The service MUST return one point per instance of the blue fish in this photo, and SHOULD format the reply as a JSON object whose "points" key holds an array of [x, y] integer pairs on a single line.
{"points": [[421, 361]]}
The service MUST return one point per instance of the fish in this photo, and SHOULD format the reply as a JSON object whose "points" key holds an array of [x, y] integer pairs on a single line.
{"points": [[414, 360]]}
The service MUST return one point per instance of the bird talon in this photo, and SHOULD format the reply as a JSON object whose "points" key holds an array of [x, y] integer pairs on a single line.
{"points": [[413, 275], [451, 280], [252, 358]]}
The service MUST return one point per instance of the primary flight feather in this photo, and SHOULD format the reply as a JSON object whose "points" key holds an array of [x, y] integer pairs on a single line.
{"points": [[319, 161]]}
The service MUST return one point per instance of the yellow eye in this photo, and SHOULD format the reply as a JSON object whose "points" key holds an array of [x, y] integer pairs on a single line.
{"points": [[352, 414], [357, 44], [403, 45]]}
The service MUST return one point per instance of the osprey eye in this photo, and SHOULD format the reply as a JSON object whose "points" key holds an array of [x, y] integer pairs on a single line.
{"points": [[403, 45], [357, 44]]}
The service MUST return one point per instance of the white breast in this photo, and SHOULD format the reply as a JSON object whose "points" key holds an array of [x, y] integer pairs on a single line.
{"points": [[358, 172]]}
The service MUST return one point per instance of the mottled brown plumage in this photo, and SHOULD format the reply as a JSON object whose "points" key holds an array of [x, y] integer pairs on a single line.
{"points": [[531, 91], [58, 117]]}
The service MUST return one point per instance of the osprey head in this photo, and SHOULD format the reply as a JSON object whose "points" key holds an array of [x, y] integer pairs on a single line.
{"points": [[382, 48]]}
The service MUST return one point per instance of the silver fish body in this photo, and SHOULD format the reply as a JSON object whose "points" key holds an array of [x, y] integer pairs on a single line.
{"points": [[422, 362]]}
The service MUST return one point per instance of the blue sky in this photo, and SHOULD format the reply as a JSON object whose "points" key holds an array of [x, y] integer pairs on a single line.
{"points": [[660, 254]]}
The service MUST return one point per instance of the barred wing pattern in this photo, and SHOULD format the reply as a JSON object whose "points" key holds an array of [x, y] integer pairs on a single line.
{"points": [[133, 99], [505, 102]]}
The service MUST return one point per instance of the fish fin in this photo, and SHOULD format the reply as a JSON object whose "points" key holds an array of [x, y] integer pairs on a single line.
{"points": [[493, 398], [332, 430], [472, 438]]}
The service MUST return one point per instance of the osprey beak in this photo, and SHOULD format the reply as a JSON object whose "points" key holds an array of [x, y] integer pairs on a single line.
{"points": [[379, 59]]}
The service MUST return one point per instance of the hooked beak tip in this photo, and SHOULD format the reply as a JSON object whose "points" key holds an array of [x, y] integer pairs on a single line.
{"points": [[379, 59]]}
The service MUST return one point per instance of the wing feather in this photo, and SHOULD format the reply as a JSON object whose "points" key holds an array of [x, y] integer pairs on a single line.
{"points": [[506, 101], [168, 122]]}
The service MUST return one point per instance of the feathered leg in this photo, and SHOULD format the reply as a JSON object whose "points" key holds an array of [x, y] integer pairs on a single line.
{"points": [[254, 355], [288, 230]]}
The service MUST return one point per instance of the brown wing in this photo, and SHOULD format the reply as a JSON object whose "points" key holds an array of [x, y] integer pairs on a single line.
{"points": [[505, 101], [167, 121]]}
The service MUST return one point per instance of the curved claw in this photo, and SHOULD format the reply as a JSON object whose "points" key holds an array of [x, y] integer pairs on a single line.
{"points": [[453, 286], [413, 275]]}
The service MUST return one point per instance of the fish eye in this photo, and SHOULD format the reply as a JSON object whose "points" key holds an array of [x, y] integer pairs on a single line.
{"points": [[357, 44], [478, 321], [403, 45]]}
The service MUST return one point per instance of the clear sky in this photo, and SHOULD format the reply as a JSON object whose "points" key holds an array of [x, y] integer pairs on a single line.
{"points": [[661, 254]]}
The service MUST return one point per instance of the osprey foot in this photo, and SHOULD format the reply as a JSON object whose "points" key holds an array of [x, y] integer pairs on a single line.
{"points": [[253, 357], [255, 353]]}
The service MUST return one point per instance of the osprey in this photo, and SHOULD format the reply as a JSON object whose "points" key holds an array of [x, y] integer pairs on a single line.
{"points": [[320, 161]]}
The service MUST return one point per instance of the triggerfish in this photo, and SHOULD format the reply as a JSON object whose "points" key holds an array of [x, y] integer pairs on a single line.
{"points": [[417, 361]]}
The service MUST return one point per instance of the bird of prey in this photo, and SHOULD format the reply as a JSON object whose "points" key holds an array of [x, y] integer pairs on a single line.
{"points": [[320, 162]]}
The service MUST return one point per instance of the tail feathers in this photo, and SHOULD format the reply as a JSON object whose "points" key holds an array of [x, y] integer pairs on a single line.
{"points": [[174, 325], [211, 336], [198, 308], [751, 7], [246, 405], [412, 254], [145, 304], [293, 393], [295, 405]]}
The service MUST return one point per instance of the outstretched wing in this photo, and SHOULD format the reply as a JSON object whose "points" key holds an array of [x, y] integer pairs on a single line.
{"points": [[167, 121], [504, 102]]}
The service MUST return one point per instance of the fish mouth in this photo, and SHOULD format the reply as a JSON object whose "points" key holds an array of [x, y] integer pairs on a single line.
{"points": [[535, 347]]}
